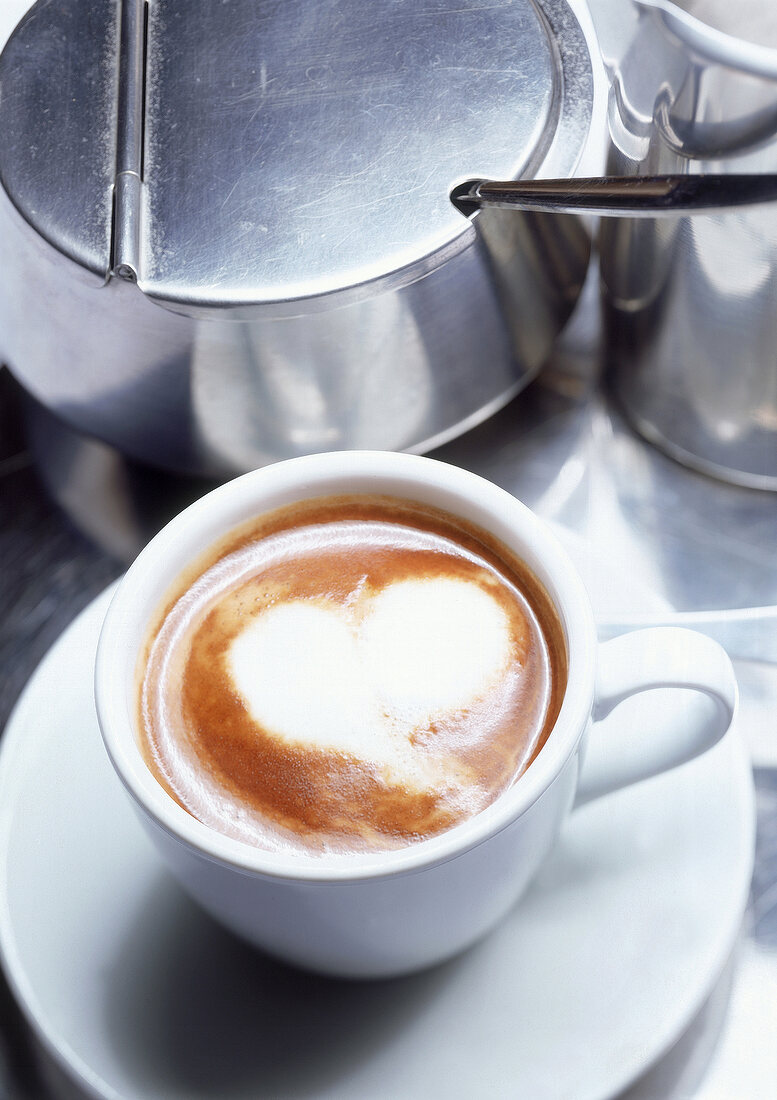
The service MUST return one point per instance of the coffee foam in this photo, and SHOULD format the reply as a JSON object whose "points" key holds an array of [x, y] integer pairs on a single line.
{"points": [[370, 672], [346, 682]]}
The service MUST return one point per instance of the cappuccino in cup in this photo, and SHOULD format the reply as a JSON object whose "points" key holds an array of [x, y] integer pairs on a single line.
{"points": [[348, 674], [353, 727]]}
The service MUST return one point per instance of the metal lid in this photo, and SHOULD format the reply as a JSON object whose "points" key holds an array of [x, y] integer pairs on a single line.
{"points": [[261, 153]]}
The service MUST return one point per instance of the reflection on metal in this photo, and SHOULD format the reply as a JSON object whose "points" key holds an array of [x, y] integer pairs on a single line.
{"points": [[130, 109], [691, 328], [620, 196]]}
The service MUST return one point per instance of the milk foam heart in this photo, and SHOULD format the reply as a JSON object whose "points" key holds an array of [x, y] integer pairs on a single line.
{"points": [[348, 673], [363, 677]]}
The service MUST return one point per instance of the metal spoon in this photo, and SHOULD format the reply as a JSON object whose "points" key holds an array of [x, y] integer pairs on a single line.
{"points": [[619, 196]]}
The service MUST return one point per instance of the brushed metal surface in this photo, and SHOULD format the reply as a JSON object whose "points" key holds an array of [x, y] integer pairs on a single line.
{"points": [[57, 126], [399, 370], [297, 149]]}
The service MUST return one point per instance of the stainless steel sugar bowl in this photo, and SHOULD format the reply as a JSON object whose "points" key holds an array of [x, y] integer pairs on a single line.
{"points": [[226, 229]]}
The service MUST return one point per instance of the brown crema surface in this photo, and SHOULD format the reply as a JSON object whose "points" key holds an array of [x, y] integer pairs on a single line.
{"points": [[204, 744]]}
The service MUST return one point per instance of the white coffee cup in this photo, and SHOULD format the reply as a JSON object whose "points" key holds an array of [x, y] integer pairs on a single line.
{"points": [[391, 912]]}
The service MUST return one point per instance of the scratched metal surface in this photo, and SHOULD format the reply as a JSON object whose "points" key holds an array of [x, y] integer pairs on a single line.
{"points": [[398, 95]]}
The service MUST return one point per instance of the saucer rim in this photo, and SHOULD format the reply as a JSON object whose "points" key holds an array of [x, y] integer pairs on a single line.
{"points": [[12, 748]]}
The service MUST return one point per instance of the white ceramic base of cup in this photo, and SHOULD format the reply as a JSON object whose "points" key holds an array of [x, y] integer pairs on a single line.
{"points": [[139, 995]]}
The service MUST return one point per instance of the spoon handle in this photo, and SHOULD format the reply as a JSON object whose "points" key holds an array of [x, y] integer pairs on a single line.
{"points": [[619, 196], [746, 633]]}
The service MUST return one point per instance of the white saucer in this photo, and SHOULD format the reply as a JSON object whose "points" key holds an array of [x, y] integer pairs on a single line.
{"points": [[138, 994]]}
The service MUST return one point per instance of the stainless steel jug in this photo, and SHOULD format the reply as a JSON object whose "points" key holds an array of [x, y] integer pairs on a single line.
{"points": [[690, 304]]}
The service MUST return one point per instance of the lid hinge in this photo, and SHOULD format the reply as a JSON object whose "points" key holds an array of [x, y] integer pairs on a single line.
{"points": [[129, 139]]}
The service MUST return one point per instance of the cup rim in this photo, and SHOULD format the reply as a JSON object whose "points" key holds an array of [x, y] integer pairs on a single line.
{"points": [[204, 522]]}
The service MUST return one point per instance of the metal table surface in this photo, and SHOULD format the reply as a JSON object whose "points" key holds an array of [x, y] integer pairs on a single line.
{"points": [[73, 511]]}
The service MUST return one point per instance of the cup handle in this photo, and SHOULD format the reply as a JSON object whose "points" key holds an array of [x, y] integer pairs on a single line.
{"points": [[669, 730]]}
